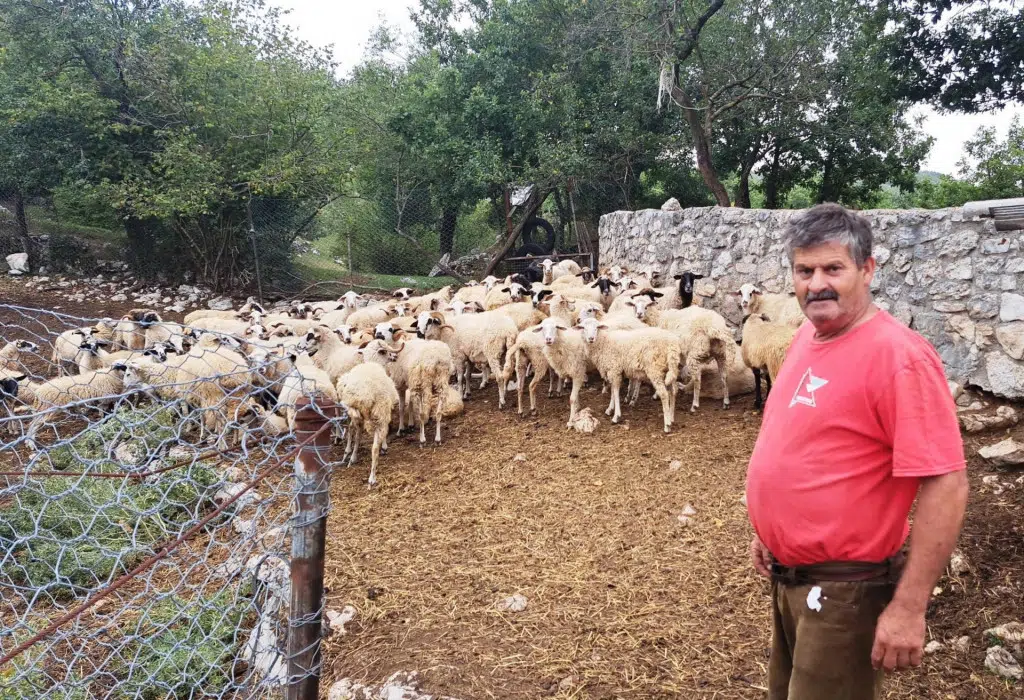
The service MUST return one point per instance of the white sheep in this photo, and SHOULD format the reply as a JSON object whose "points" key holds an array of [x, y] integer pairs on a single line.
{"points": [[327, 352], [370, 316], [553, 271], [522, 313], [430, 302], [422, 367], [66, 346], [499, 296], [566, 355], [308, 381], [704, 336], [473, 338], [650, 354], [60, 395], [764, 348], [779, 308], [369, 396], [10, 354], [528, 351]]}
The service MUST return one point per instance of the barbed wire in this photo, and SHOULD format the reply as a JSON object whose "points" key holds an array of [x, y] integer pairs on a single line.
{"points": [[147, 510]]}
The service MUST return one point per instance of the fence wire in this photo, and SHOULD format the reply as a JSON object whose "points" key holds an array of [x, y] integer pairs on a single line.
{"points": [[147, 501]]}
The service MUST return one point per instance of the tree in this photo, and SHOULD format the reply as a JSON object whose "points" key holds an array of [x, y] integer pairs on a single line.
{"points": [[964, 55]]}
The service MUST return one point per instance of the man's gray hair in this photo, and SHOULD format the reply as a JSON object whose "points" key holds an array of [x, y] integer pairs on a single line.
{"points": [[830, 223]]}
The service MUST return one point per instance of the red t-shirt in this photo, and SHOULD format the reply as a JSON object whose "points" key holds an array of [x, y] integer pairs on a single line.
{"points": [[849, 429]]}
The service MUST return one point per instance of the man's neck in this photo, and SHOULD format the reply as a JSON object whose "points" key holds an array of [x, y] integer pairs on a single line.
{"points": [[863, 317]]}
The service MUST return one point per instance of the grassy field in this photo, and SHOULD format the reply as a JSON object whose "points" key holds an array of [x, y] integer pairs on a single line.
{"points": [[318, 268]]}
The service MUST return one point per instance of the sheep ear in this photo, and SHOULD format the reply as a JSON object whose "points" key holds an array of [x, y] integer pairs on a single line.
{"points": [[698, 277], [363, 345], [505, 289], [756, 291], [602, 326], [537, 329], [764, 317], [656, 295], [594, 284], [435, 304], [629, 302], [678, 277], [479, 307]]}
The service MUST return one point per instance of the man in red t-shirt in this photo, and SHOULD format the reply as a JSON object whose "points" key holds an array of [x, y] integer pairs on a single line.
{"points": [[860, 422]]}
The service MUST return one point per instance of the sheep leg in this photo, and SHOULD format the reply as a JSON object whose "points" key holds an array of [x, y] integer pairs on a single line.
{"points": [[551, 384], [442, 390], [757, 389], [768, 384], [375, 454], [538, 376], [611, 398], [615, 390], [495, 366], [356, 430], [401, 413], [484, 376], [694, 368], [520, 380], [666, 407], [423, 401], [464, 380], [723, 375], [574, 399]]}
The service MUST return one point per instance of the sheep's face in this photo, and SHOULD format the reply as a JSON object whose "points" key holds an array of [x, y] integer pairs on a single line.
{"points": [[549, 328], [404, 293], [428, 325], [457, 307], [158, 352], [640, 304], [605, 285], [515, 290], [300, 311], [403, 308], [8, 388], [313, 341], [547, 264], [590, 327], [149, 318], [587, 274], [344, 331], [589, 310], [747, 293], [540, 295], [615, 273], [384, 331], [686, 281], [257, 331], [26, 346], [349, 300], [133, 376], [380, 352], [472, 283], [489, 282]]}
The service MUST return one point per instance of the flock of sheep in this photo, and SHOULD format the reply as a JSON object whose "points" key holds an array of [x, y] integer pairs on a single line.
{"points": [[243, 371]]}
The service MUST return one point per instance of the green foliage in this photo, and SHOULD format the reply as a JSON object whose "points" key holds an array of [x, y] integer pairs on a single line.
{"points": [[70, 535]]}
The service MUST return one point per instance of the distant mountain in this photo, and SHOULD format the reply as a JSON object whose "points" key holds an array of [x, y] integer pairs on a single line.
{"points": [[930, 175]]}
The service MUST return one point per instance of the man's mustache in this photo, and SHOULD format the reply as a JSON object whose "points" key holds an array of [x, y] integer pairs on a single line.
{"points": [[824, 295]]}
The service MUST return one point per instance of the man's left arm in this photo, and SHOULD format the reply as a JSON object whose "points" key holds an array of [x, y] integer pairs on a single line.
{"points": [[899, 635]]}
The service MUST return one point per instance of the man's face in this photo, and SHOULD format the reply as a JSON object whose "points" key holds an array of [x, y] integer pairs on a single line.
{"points": [[831, 289]]}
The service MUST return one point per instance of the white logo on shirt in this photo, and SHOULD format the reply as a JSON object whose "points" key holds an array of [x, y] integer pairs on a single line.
{"points": [[806, 388]]}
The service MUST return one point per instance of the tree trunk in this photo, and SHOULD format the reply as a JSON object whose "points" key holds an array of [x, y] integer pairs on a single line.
{"points": [[531, 207], [701, 146], [449, 217], [771, 182], [22, 220], [827, 191], [141, 248], [743, 190], [563, 216]]}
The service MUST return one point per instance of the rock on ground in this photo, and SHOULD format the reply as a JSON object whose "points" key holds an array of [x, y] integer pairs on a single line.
{"points": [[514, 603], [1012, 632], [1004, 417], [1007, 452], [1001, 662], [402, 685]]}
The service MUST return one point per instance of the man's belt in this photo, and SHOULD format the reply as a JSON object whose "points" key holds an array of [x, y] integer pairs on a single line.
{"points": [[887, 571]]}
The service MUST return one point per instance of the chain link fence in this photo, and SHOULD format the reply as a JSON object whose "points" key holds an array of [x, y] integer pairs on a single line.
{"points": [[162, 511]]}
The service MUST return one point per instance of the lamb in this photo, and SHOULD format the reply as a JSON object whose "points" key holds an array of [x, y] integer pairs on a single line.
{"points": [[457, 307], [370, 397], [250, 306], [403, 293], [566, 355], [686, 280], [168, 333], [326, 351], [528, 350], [10, 354], [214, 378], [780, 308], [92, 356], [522, 313], [303, 381], [101, 388], [650, 354], [430, 302], [582, 294], [420, 366], [270, 424], [477, 338], [764, 348], [347, 305]]}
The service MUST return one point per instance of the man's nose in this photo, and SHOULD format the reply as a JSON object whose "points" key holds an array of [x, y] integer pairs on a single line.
{"points": [[819, 281]]}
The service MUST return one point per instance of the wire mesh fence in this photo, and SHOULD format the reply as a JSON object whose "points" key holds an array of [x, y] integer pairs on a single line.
{"points": [[155, 538]]}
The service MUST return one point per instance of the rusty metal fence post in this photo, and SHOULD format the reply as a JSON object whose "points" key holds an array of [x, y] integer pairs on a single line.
{"points": [[308, 533]]}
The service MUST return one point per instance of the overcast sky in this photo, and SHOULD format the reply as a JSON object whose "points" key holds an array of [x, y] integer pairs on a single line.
{"points": [[347, 25]]}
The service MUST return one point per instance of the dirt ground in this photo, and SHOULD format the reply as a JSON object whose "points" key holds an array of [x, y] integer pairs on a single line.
{"points": [[623, 600]]}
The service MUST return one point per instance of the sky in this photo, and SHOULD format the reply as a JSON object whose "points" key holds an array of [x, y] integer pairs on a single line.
{"points": [[347, 24]]}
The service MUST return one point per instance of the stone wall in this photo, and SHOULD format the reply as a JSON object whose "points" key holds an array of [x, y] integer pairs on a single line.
{"points": [[951, 277]]}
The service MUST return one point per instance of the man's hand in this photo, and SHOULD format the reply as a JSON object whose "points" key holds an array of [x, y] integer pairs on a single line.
{"points": [[761, 557], [899, 638]]}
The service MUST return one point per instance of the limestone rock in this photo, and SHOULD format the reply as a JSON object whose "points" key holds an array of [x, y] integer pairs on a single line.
{"points": [[961, 645], [1010, 632], [336, 621], [956, 389], [1001, 662], [18, 263], [585, 422], [672, 204], [220, 304], [933, 647], [1011, 339], [514, 603], [1004, 417], [1005, 376], [1011, 307], [958, 565], [1007, 452]]}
